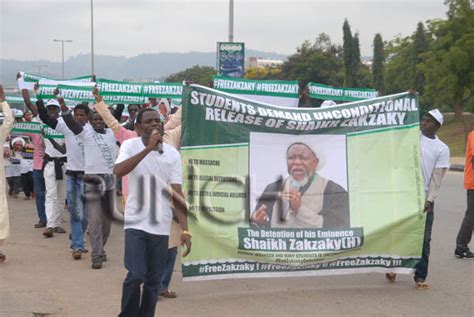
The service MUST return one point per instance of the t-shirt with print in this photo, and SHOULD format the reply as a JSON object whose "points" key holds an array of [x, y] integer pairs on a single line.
{"points": [[49, 147], [74, 145], [148, 206], [100, 150], [434, 154]]}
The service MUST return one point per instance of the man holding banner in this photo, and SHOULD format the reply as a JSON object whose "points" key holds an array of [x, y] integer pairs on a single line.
{"points": [[435, 163]]}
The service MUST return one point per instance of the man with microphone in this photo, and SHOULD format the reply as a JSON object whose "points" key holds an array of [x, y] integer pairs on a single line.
{"points": [[155, 177]]}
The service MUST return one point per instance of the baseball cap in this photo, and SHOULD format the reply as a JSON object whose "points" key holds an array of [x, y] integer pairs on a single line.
{"points": [[53, 102], [437, 115]]}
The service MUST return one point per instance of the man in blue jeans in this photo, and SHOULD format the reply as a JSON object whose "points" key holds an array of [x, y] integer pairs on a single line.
{"points": [[152, 168], [74, 171], [435, 163]]}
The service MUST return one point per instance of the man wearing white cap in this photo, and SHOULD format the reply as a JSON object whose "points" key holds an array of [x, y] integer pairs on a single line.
{"points": [[434, 163], [54, 169]]}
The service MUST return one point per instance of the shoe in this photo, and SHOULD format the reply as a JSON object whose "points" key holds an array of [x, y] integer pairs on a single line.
{"points": [[84, 250], [421, 285], [40, 225], [104, 257], [168, 294], [391, 277], [3, 257], [463, 254], [76, 255], [48, 233], [59, 229], [97, 264]]}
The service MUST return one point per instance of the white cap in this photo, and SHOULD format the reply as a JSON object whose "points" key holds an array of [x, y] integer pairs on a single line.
{"points": [[437, 115], [328, 104], [18, 139], [18, 113], [53, 102]]}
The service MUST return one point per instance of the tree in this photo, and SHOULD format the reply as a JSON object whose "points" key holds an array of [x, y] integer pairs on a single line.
{"points": [[378, 64], [262, 73], [320, 62], [201, 75], [449, 66], [420, 46], [355, 63], [347, 46]]}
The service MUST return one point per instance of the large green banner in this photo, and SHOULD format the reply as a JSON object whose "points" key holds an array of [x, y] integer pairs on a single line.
{"points": [[296, 192]]}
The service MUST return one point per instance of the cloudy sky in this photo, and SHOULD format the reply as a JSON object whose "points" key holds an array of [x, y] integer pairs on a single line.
{"points": [[128, 28]]}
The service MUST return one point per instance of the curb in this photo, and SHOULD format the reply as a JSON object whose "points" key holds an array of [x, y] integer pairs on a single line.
{"points": [[457, 168]]}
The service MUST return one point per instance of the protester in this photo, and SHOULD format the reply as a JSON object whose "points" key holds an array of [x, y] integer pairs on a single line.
{"points": [[171, 137], [27, 154], [467, 226], [28, 116], [100, 152], [132, 113], [146, 239], [38, 155], [54, 169], [74, 173], [13, 168], [4, 132], [435, 163]]}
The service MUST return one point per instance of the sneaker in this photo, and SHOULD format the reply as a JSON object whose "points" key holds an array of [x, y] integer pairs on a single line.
{"points": [[40, 225], [463, 254], [48, 233], [76, 255], [104, 257], [59, 229], [421, 285], [97, 264]]}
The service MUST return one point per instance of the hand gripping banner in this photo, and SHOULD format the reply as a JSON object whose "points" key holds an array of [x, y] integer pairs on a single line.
{"points": [[296, 192]]}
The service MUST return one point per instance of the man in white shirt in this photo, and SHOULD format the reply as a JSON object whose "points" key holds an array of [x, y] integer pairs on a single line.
{"points": [[100, 151], [434, 163], [74, 173], [54, 168], [152, 167]]}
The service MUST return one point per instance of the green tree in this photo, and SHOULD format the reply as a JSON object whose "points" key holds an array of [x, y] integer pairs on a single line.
{"points": [[320, 62], [378, 64], [201, 75], [449, 66], [420, 46], [356, 71], [347, 46]]}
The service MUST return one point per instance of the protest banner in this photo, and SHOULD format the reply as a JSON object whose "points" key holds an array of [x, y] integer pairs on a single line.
{"points": [[325, 92], [112, 91], [356, 169], [36, 128], [231, 59], [28, 81], [276, 92]]}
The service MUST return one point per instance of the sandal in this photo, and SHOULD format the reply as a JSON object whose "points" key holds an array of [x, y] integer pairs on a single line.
{"points": [[391, 277], [168, 294], [421, 285]]}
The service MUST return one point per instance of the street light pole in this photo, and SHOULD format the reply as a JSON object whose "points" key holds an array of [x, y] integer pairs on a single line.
{"points": [[62, 52], [231, 20], [92, 37]]}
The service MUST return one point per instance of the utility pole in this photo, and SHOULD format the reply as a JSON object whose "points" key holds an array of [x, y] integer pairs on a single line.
{"points": [[62, 52], [231, 20], [92, 37]]}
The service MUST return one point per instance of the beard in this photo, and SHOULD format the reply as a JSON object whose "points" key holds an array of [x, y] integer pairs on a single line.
{"points": [[299, 183]]}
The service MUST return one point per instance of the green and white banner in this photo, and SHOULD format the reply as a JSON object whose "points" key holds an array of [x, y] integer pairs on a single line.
{"points": [[28, 81], [113, 91], [36, 128], [325, 92], [296, 192], [276, 92]]}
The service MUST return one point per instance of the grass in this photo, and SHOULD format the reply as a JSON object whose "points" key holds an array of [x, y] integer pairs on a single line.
{"points": [[454, 134]]}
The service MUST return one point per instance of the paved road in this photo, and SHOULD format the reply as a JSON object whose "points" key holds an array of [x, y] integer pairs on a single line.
{"points": [[41, 277]]}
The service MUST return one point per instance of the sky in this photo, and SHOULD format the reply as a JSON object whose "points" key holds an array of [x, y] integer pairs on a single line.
{"points": [[129, 28]]}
